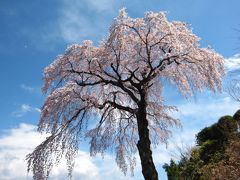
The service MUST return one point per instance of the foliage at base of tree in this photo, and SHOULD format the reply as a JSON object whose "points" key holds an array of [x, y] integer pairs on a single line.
{"points": [[215, 156]]}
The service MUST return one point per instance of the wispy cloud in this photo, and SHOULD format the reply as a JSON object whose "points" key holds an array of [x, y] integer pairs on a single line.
{"points": [[206, 111], [25, 108], [103, 5], [74, 22], [30, 89], [211, 108], [85, 19], [233, 63]]}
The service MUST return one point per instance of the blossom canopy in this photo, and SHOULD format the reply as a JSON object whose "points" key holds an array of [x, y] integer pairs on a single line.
{"points": [[111, 81]]}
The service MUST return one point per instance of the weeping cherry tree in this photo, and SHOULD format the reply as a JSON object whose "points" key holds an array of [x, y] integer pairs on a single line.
{"points": [[111, 94]]}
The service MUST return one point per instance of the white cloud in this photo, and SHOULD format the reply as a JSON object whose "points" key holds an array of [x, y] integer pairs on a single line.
{"points": [[16, 143], [25, 108], [233, 63], [13, 148]]}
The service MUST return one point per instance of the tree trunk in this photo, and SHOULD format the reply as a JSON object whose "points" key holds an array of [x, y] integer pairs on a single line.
{"points": [[144, 145]]}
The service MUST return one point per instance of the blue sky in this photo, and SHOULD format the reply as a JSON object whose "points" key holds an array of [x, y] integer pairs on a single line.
{"points": [[33, 33]]}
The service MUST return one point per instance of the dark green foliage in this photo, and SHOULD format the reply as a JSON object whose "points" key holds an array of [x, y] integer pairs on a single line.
{"points": [[208, 150], [236, 116], [207, 133], [173, 170], [190, 166], [219, 131], [227, 126], [213, 140], [212, 143]]}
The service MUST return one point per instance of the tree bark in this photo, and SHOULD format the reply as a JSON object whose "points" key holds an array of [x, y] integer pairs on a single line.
{"points": [[144, 145]]}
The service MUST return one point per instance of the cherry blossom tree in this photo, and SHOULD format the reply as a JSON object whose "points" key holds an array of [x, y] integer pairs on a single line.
{"points": [[112, 94]]}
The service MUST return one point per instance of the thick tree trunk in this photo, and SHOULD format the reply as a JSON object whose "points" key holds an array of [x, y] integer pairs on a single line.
{"points": [[148, 168]]}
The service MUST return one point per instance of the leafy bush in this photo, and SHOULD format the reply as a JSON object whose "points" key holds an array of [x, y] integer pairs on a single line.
{"points": [[216, 156]]}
